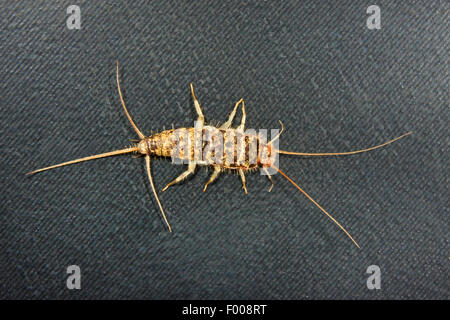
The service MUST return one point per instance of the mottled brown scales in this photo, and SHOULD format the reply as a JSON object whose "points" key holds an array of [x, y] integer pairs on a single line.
{"points": [[159, 144], [182, 141], [240, 152]]}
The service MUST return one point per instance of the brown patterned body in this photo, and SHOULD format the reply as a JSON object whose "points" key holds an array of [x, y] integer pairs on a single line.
{"points": [[230, 149], [222, 148]]}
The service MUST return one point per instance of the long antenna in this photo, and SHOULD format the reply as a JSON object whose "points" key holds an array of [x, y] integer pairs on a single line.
{"points": [[139, 133], [97, 156], [318, 205], [342, 153]]}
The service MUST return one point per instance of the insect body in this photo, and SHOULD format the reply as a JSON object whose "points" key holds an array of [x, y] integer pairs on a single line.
{"points": [[235, 155]]}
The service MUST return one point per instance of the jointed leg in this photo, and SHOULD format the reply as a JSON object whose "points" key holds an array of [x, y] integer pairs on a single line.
{"points": [[244, 116], [227, 124], [270, 178], [241, 173], [181, 177], [201, 117], [213, 177]]}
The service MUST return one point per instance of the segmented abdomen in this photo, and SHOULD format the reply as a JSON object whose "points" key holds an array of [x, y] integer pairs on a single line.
{"points": [[229, 149]]}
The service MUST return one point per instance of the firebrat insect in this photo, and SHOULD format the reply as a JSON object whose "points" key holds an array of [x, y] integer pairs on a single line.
{"points": [[163, 144]]}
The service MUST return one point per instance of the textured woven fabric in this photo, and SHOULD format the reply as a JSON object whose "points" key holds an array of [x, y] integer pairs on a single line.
{"points": [[335, 84]]}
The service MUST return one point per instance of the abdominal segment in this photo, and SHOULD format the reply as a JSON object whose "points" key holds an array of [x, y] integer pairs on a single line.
{"points": [[229, 149]]}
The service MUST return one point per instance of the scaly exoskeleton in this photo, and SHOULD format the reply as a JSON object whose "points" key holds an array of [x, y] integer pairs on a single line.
{"points": [[236, 155]]}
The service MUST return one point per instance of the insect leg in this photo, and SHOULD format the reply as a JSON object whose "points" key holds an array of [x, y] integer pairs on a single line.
{"points": [[241, 173], [181, 177], [244, 116], [270, 178], [227, 124], [213, 177], [201, 117], [149, 173]]}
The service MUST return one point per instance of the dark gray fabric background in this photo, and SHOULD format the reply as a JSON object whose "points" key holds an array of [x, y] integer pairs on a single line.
{"points": [[336, 85]]}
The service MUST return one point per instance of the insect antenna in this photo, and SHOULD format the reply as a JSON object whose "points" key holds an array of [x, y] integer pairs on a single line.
{"points": [[318, 205], [342, 153], [117, 152], [97, 156]]}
